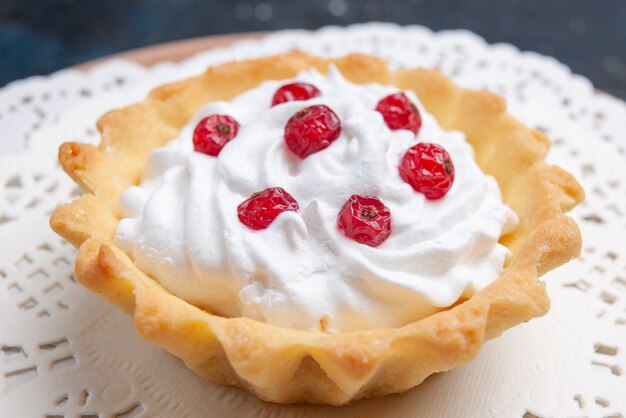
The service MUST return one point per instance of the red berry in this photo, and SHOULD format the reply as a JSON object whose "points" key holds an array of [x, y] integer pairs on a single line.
{"points": [[311, 130], [213, 132], [260, 210], [399, 112], [365, 219], [293, 92], [428, 169]]}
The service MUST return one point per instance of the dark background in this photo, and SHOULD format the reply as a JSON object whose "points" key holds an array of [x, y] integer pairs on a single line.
{"points": [[40, 36]]}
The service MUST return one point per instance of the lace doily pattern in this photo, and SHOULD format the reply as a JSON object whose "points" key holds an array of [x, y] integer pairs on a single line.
{"points": [[66, 353]]}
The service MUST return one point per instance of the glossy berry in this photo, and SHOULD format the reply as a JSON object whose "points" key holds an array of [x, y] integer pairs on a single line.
{"points": [[399, 113], [213, 132], [311, 130], [295, 91], [260, 210], [428, 169], [365, 219]]}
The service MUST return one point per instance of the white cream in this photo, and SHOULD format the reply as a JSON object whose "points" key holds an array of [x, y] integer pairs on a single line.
{"points": [[180, 225]]}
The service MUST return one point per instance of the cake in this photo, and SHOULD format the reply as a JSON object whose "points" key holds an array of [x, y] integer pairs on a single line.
{"points": [[319, 230]]}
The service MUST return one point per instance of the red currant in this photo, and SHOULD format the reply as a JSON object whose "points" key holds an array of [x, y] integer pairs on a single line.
{"points": [[293, 92], [365, 219], [260, 210], [400, 113], [311, 130], [428, 169], [213, 132]]}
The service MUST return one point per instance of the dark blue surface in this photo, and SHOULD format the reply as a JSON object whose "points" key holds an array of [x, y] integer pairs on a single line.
{"points": [[40, 36]]}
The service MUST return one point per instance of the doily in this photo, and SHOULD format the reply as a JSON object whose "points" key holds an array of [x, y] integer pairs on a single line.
{"points": [[67, 353]]}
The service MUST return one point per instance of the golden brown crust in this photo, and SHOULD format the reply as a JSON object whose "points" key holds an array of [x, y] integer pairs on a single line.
{"points": [[283, 365]]}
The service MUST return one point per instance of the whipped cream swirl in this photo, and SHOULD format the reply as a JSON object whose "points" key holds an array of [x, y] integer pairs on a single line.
{"points": [[180, 224]]}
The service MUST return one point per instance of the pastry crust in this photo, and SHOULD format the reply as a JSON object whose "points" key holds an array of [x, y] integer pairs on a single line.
{"points": [[284, 365]]}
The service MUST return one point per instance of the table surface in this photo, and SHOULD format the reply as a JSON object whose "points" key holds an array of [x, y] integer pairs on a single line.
{"points": [[41, 36], [173, 51], [176, 50]]}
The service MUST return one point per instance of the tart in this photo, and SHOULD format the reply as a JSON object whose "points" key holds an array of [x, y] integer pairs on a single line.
{"points": [[287, 364]]}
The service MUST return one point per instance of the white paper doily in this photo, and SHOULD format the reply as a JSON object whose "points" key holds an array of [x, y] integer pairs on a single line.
{"points": [[67, 353]]}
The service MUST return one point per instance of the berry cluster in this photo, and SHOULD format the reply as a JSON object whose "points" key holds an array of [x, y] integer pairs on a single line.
{"points": [[426, 167]]}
